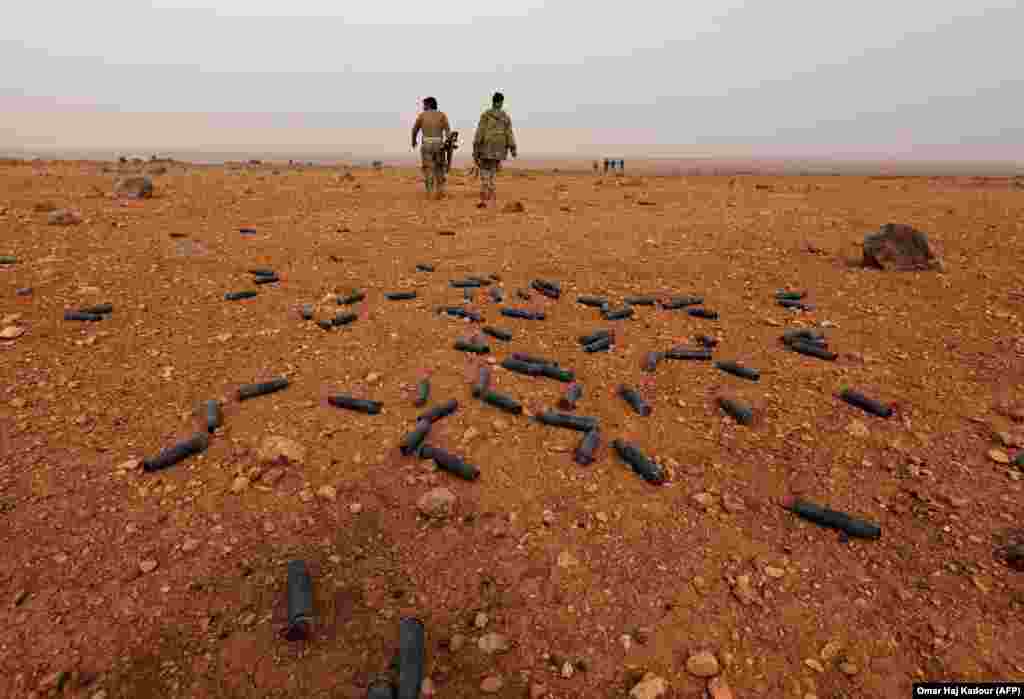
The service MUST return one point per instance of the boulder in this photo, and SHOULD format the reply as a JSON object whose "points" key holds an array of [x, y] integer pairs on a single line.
{"points": [[898, 247], [134, 187]]}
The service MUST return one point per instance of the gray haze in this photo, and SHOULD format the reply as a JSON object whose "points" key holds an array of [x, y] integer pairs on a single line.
{"points": [[902, 79]]}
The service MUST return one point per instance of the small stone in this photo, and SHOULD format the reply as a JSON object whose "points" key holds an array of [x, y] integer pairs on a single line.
{"points": [[20, 597], [64, 217], [567, 669], [189, 545], [999, 456], [457, 642], [281, 450], [831, 650], [240, 484], [438, 503], [567, 560], [306, 495], [602, 517], [733, 503], [372, 377], [148, 565], [328, 492], [129, 465], [849, 669], [23, 291], [247, 619], [772, 322], [272, 476], [480, 621], [499, 425], [815, 665], [355, 508], [470, 434], [12, 332], [54, 681], [491, 685], [776, 573], [744, 591], [99, 694], [858, 429], [703, 664], [704, 500], [650, 687], [718, 688], [492, 643]]}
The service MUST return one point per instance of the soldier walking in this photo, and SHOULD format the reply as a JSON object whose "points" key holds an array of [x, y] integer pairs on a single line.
{"points": [[492, 143], [435, 128]]}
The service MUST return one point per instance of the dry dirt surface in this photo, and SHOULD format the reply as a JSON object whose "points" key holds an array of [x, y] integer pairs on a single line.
{"points": [[123, 583]]}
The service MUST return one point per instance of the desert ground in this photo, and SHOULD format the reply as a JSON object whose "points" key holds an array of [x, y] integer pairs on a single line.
{"points": [[545, 578]]}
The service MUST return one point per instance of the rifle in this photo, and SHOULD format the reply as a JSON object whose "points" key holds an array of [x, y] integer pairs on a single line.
{"points": [[448, 149]]}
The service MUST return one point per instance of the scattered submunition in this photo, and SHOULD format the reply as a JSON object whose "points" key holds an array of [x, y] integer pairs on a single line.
{"points": [[739, 412], [361, 405], [300, 602], [644, 467], [837, 520], [195, 444], [261, 389], [864, 403], [588, 446]]}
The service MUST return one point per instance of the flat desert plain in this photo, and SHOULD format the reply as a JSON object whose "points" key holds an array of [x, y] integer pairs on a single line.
{"points": [[543, 577]]}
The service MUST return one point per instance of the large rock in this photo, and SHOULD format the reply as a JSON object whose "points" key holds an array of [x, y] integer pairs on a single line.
{"points": [[899, 247], [281, 450], [134, 187]]}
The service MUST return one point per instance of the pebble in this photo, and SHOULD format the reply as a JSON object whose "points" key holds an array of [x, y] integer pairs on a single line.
{"points": [[372, 377], [744, 591], [703, 664], [849, 669], [189, 545], [240, 484], [355, 508], [492, 685], [12, 332], [20, 597], [650, 687], [704, 500], [567, 669], [776, 573], [148, 565], [567, 560], [718, 688], [492, 643], [815, 665], [24, 291], [328, 492], [858, 429], [272, 476], [306, 495], [831, 650], [248, 619], [480, 621], [457, 642], [99, 694], [733, 503], [437, 503], [499, 425], [281, 450], [999, 456]]}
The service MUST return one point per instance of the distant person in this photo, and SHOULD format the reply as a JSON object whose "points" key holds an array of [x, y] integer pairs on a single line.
{"points": [[606, 166], [492, 143], [435, 128]]}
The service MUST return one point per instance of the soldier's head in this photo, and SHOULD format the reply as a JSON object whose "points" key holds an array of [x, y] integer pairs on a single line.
{"points": [[498, 99], [429, 103]]}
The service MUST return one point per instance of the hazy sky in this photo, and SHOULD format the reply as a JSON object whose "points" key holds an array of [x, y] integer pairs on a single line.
{"points": [[797, 77]]}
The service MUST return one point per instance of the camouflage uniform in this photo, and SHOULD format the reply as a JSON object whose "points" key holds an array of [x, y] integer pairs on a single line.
{"points": [[434, 125], [491, 144]]}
